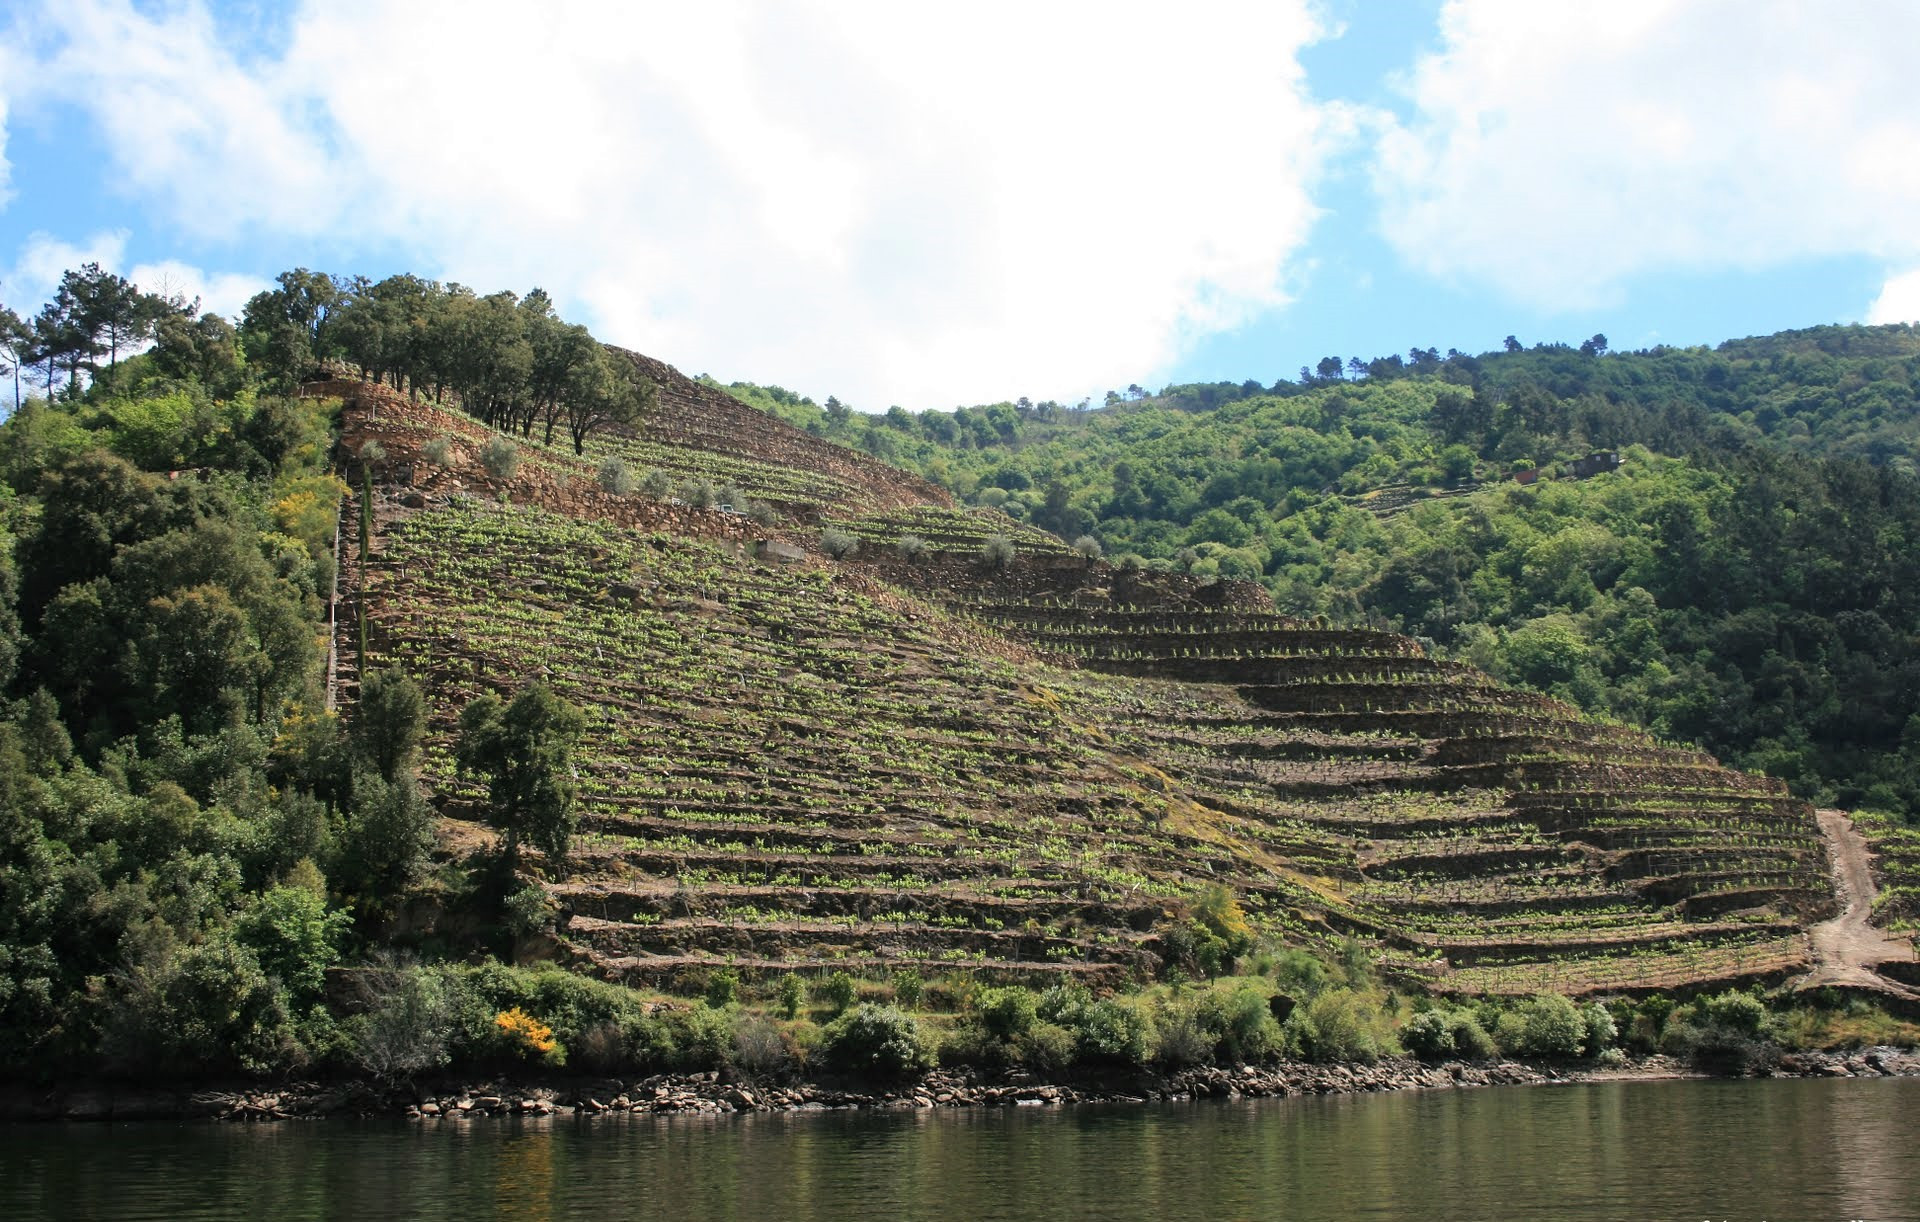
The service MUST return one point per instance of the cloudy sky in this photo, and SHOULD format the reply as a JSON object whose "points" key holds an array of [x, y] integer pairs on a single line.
{"points": [[933, 204]]}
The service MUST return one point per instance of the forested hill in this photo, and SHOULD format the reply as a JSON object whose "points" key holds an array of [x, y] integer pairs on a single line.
{"points": [[1744, 582]]}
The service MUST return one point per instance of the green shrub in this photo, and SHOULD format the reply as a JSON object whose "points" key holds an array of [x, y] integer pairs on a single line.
{"points": [[838, 543], [385, 842], [792, 995], [438, 451], [761, 514], [1510, 1033], [758, 1047], [1429, 1036], [1555, 1028], [1112, 1032], [1088, 547], [656, 484], [997, 552], [1545, 1025], [1740, 1013], [1470, 1040], [1046, 1048], [1335, 1025], [970, 1044], [698, 493], [614, 476], [912, 548], [1356, 963], [1223, 934], [500, 457], [723, 989], [181, 1008], [1300, 974], [838, 991], [1007, 1013], [908, 988], [1601, 1029], [1436, 1035], [1062, 1003], [879, 1040], [1731, 1033], [1184, 1036], [703, 1037], [527, 911], [1243, 1025]]}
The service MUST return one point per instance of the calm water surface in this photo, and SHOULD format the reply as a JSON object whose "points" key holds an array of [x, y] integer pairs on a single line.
{"points": [[1694, 1150]]}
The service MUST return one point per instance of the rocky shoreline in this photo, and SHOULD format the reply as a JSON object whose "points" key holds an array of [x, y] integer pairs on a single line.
{"points": [[717, 1093]]}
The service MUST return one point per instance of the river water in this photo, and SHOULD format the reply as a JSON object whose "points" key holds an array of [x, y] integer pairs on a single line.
{"points": [[1776, 1150]]}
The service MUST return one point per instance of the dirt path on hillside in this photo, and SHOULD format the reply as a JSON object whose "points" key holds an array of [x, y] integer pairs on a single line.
{"points": [[1846, 948]]}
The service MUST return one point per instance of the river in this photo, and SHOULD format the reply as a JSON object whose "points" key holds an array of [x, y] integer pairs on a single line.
{"points": [[1775, 1150]]}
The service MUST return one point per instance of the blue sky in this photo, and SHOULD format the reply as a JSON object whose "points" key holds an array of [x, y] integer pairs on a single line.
{"points": [[931, 205]]}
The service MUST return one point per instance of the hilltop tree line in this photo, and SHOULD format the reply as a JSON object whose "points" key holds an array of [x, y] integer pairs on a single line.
{"points": [[93, 314], [512, 361]]}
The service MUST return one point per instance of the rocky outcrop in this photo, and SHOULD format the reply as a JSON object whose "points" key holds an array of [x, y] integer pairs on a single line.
{"points": [[720, 1093]]}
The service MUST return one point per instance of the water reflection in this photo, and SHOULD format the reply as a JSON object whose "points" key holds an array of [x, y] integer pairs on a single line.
{"points": [[1726, 1150]]}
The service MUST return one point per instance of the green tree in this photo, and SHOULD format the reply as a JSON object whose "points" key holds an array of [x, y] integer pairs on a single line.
{"points": [[604, 390], [525, 750], [16, 346], [293, 936], [9, 614], [205, 350], [388, 723], [288, 330]]}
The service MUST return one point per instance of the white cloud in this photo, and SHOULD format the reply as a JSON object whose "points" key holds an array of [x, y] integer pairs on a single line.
{"points": [[223, 293], [1556, 151], [1899, 299], [37, 268], [878, 200], [6, 169]]}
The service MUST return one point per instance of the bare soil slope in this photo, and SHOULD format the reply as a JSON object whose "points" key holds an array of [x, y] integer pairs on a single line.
{"points": [[1848, 948]]}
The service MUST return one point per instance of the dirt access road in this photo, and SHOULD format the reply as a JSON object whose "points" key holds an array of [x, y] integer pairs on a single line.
{"points": [[1846, 948]]}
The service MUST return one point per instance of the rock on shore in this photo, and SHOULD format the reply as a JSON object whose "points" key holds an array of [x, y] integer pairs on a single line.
{"points": [[719, 1093]]}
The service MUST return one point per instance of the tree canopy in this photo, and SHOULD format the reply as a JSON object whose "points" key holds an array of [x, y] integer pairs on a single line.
{"points": [[524, 749]]}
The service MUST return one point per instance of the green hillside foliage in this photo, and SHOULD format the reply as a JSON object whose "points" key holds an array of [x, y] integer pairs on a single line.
{"points": [[1742, 583], [186, 838]]}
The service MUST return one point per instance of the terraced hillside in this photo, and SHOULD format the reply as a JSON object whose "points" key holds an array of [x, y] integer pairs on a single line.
{"points": [[1490, 840], [1026, 770], [697, 430]]}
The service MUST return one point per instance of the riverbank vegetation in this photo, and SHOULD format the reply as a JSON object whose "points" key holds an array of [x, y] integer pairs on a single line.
{"points": [[467, 1019]]}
